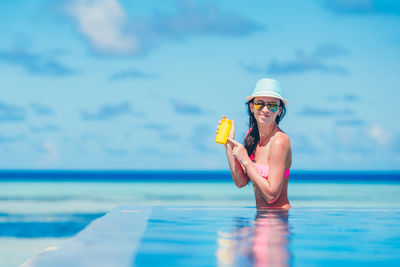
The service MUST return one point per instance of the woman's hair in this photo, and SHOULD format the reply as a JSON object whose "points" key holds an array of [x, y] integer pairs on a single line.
{"points": [[253, 136]]}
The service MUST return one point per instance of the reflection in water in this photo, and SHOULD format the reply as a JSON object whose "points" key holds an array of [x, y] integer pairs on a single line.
{"points": [[263, 242]]}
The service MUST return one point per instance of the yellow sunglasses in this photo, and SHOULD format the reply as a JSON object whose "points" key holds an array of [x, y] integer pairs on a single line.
{"points": [[271, 106]]}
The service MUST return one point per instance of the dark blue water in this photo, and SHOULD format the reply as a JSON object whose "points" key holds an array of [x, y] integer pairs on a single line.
{"points": [[44, 225], [188, 176]]}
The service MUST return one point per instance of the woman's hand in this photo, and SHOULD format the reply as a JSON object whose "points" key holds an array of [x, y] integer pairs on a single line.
{"points": [[239, 151]]}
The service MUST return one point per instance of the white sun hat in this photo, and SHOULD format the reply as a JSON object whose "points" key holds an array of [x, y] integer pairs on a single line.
{"points": [[268, 87]]}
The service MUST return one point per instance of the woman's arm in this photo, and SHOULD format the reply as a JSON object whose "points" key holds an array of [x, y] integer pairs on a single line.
{"points": [[271, 188], [239, 177]]}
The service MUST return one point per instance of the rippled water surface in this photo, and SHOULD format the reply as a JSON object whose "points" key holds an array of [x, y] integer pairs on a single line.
{"points": [[245, 237], [329, 221]]}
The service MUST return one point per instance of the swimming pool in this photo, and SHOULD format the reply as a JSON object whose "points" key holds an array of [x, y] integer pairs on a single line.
{"points": [[244, 237], [234, 236], [45, 213]]}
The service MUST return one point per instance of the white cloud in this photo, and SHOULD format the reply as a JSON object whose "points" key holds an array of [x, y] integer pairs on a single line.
{"points": [[103, 23], [380, 135], [110, 30]]}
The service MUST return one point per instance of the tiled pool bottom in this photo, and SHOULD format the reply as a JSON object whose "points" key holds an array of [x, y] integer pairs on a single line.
{"points": [[233, 236]]}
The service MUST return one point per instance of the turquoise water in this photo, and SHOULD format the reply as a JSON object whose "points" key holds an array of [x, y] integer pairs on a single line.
{"points": [[233, 236], [244, 237], [37, 215]]}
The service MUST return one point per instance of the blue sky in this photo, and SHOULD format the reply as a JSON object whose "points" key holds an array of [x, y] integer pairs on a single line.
{"points": [[116, 84]]}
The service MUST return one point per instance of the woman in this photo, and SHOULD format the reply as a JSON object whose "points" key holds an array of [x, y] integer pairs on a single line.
{"points": [[266, 157]]}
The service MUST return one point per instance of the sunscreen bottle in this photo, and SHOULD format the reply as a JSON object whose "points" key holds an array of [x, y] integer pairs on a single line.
{"points": [[223, 131]]}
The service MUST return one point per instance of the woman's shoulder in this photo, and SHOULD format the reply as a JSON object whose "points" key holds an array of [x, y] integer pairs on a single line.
{"points": [[280, 140]]}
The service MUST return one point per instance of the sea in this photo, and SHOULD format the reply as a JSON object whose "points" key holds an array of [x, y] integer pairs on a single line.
{"points": [[42, 209]]}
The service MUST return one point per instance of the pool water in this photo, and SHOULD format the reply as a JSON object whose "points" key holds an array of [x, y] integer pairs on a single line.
{"points": [[234, 236], [330, 222], [244, 237]]}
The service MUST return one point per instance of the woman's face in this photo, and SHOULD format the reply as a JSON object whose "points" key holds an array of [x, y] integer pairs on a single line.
{"points": [[265, 109]]}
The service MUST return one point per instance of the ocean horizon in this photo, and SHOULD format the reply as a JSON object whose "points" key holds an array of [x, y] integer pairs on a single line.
{"points": [[189, 175]]}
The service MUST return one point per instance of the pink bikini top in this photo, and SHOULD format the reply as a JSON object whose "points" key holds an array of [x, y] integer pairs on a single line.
{"points": [[263, 169]]}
